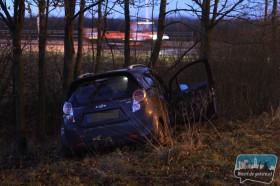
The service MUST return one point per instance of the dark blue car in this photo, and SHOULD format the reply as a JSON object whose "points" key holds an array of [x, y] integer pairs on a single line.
{"points": [[125, 106]]}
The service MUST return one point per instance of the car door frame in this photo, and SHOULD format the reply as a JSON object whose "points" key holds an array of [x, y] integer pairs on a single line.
{"points": [[210, 84]]}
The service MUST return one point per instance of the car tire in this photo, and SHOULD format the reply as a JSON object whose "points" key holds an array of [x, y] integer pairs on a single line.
{"points": [[69, 153]]}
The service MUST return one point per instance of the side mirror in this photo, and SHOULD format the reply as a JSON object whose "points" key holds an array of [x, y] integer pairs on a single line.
{"points": [[184, 87]]}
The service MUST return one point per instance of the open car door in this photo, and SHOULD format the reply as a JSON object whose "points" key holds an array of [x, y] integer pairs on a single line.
{"points": [[192, 95]]}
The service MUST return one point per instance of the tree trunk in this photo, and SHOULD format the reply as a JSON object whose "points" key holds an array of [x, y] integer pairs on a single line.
{"points": [[43, 17], [274, 35], [265, 10], [69, 51], [274, 12], [15, 25], [160, 32], [205, 46], [127, 34], [99, 37], [80, 40], [18, 68]]}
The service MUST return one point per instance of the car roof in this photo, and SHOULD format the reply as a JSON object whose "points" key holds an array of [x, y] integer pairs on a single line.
{"points": [[132, 69]]}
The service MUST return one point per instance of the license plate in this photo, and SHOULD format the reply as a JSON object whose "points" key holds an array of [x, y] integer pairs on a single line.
{"points": [[103, 115]]}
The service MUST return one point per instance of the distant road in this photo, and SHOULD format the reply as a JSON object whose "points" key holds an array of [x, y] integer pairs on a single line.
{"points": [[55, 42], [59, 34]]}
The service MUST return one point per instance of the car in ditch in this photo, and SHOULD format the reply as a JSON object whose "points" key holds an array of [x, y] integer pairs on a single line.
{"points": [[133, 105]]}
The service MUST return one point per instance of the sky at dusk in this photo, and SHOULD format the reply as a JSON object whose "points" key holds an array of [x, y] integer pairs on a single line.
{"points": [[137, 9]]}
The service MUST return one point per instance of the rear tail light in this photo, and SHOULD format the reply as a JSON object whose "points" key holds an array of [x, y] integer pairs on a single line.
{"points": [[133, 136], [138, 96], [80, 144], [68, 111]]}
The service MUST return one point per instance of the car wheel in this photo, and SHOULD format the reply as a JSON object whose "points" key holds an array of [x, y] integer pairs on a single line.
{"points": [[70, 153]]}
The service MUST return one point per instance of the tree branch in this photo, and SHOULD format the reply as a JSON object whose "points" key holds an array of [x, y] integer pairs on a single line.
{"points": [[180, 22], [215, 11], [8, 19], [199, 3], [178, 10], [86, 9], [3, 18], [225, 14]]}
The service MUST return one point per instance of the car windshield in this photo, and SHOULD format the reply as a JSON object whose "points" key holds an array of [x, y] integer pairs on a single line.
{"points": [[103, 89]]}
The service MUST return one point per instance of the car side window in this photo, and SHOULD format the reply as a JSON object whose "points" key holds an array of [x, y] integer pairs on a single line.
{"points": [[149, 79], [158, 84]]}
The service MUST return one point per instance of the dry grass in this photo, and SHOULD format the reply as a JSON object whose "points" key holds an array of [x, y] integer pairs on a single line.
{"points": [[202, 156]]}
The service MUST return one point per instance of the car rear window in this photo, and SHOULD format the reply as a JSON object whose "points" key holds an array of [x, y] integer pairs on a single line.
{"points": [[103, 89]]}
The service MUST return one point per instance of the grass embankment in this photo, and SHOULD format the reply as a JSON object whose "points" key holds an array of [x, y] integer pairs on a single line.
{"points": [[203, 156]]}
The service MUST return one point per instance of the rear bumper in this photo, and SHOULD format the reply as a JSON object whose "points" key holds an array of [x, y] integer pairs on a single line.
{"points": [[76, 138]]}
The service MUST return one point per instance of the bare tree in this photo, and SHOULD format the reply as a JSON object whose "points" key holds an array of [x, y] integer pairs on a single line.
{"points": [[15, 25], [77, 70], [274, 11], [43, 25], [160, 32], [107, 10], [265, 10], [69, 50], [274, 34], [99, 37], [218, 10], [206, 31], [127, 34]]}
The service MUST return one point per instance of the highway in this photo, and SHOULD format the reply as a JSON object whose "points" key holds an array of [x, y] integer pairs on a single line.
{"points": [[55, 43]]}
